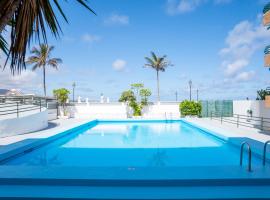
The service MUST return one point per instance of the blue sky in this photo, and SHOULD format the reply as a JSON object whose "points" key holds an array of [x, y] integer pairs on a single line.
{"points": [[218, 44]]}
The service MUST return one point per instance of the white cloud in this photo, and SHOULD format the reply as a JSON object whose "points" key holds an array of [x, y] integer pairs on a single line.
{"points": [[27, 81], [119, 65], [90, 38], [242, 42], [116, 19], [245, 76], [184, 6], [234, 67]]}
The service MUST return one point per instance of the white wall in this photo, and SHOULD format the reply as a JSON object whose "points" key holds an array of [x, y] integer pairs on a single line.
{"points": [[99, 110], [258, 108], [25, 124], [122, 111], [162, 110]]}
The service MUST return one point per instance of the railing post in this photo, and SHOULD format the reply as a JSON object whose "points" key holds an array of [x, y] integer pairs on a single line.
{"points": [[17, 109], [221, 118], [262, 123], [57, 111], [237, 121], [40, 104]]}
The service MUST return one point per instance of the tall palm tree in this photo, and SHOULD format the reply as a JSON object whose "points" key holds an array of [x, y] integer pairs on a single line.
{"points": [[41, 58], [29, 19], [158, 64]]}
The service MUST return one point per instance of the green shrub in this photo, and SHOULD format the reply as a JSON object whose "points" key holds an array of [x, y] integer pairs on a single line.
{"points": [[190, 108], [136, 108]]}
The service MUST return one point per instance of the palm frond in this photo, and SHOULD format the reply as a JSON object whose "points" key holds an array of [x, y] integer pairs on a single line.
{"points": [[35, 67], [150, 61], [154, 56], [31, 19], [157, 63], [54, 62], [3, 45]]}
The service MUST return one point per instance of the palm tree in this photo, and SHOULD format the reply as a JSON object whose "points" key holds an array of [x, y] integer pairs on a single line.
{"points": [[41, 59], [29, 19], [158, 64]]}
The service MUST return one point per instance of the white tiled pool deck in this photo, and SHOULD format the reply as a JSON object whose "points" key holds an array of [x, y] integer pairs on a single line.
{"points": [[231, 130], [11, 143], [55, 127]]}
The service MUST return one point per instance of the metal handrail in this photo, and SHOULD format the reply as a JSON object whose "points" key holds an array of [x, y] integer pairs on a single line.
{"points": [[249, 155], [236, 119], [20, 108], [264, 151]]}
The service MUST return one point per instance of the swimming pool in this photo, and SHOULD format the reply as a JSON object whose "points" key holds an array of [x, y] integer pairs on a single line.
{"points": [[135, 144]]}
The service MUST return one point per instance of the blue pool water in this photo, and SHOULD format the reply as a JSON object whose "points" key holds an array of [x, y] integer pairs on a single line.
{"points": [[134, 144]]}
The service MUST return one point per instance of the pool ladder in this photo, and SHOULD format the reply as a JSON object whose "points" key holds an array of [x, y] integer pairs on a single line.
{"points": [[264, 151], [249, 155], [166, 117]]}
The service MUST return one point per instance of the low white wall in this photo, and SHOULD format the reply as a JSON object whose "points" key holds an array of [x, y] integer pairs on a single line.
{"points": [[98, 110], [258, 108], [122, 111], [25, 124], [162, 111]]}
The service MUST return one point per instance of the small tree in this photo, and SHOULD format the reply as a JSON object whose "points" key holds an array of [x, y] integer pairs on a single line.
{"points": [[129, 97], [137, 87], [145, 93], [191, 108], [62, 96]]}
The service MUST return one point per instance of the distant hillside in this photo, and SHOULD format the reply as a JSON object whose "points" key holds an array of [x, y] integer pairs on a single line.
{"points": [[4, 91]]}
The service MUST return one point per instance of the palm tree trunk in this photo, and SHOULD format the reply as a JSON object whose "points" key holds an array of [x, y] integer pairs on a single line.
{"points": [[7, 16], [44, 80], [158, 98]]}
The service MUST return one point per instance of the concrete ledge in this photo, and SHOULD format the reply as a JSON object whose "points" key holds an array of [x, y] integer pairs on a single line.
{"points": [[24, 124]]}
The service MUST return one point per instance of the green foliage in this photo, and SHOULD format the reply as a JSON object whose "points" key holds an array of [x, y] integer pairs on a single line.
{"points": [[127, 96], [137, 109], [262, 93], [136, 86], [61, 95], [145, 93], [190, 108]]}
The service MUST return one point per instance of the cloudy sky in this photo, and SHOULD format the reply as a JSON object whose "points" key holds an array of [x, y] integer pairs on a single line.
{"points": [[218, 44]]}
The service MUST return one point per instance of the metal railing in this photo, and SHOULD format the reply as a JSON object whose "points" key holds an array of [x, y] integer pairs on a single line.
{"points": [[18, 105], [249, 155], [261, 123]]}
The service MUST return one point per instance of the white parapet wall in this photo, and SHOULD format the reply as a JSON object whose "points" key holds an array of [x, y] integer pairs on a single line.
{"points": [[25, 124], [99, 111], [257, 107], [163, 110]]}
